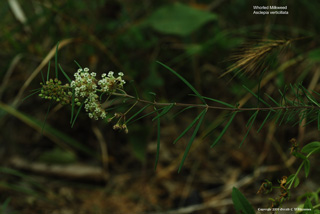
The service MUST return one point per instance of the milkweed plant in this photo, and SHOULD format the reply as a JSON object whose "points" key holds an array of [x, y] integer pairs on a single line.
{"points": [[89, 92]]}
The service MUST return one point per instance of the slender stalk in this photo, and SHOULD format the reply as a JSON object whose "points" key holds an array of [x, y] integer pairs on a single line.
{"points": [[216, 107]]}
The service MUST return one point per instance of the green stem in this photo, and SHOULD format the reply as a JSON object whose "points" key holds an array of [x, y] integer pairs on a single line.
{"points": [[216, 107]]}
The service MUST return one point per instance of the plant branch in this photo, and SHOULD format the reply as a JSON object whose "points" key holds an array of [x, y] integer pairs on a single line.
{"points": [[218, 107]]}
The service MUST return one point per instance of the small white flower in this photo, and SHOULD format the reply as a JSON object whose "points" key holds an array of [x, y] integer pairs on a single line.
{"points": [[103, 75], [120, 74], [86, 69], [79, 70], [110, 74], [93, 74]]}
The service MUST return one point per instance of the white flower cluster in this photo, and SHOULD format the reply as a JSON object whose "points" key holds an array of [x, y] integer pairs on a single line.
{"points": [[109, 83], [86, 87]]}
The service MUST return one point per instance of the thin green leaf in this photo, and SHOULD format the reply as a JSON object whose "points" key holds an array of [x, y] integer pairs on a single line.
{"points": [[42, 77], [185, 81], [256, 96], [100, 97], [311, 120], [264, 121], [225, 129], [278, 116], [75, 118], [179, 112], [306, 164], [138, 112], [69, 80], [134, 88], [56, 60], [217, 101], [72, 105], [202, 114], [77, 64], [294, 92], [45, 118], [283, 95], [143, 116], [278, 104], [48, 72], [283, 116], [240, 203], [301, 116], [36, 92], [158, 144], [164, 111], [292, 114], [309, 96], [282, 98], [188, 128], [298, 95], [252, 118]]}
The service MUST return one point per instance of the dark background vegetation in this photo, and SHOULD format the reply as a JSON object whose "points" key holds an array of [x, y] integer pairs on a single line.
{"points": [[129, 37]]}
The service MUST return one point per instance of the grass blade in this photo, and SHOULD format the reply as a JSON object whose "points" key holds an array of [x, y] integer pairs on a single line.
{"points": [[56, 60], [184, 80], [145, 115], [75, 118], [77, 64], [188, 128], [69, 80], [265, 120], [134, 88], [225, 129], [278, 116], [202, 114], [252, 119], [189, 107], [72, 105], [217, 101], [138, 112], [38, 90], [164, 111], [42, 77], [278, 104], [45, 118], [256, 96]]}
